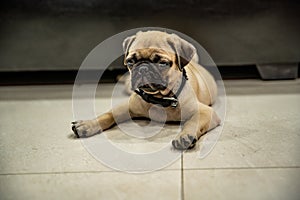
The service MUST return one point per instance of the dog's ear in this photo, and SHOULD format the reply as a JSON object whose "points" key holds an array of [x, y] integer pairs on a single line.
{"points": [[184, 50], [127, 43]]}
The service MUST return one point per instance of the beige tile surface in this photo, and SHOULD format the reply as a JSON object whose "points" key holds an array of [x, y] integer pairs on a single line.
{"points": [[256, 157], [36, 133], [242, 184], [36, 137], [260, 131], [100, 185]]}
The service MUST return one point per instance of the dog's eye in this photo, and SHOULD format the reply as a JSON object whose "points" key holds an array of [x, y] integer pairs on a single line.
{"points": [[164, 64], [130, 62]]}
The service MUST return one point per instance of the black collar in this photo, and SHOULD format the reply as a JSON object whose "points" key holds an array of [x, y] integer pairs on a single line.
{"points": [[164, 101]]}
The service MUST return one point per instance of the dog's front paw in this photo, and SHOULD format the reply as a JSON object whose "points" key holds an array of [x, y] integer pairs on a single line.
{"points": [[184, 141], [86, 128]]}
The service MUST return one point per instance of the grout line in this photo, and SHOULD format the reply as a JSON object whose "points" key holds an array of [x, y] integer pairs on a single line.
{"points": [[182, 178], [181, 170], [245, 168], [50, 173], [78, 172]]}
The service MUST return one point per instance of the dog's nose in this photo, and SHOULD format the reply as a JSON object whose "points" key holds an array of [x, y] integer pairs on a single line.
{"points": [[143, 69]]}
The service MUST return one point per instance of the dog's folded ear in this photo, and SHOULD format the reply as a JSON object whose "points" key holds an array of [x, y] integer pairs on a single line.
{"points": [[184, 50], [127, 43]]}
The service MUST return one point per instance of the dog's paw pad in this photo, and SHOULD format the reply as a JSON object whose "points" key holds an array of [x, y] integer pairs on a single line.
{"points": [[86, 128], [75, 131], [184, 142]]}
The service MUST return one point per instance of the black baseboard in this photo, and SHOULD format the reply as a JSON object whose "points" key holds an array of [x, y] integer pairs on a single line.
{"points": [[53, 77], [109, 76]]}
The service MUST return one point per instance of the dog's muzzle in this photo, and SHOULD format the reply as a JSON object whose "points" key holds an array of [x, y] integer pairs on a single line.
{"points": [[146, 76]]}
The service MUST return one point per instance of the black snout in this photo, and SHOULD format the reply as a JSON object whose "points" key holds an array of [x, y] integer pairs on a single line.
{"points": [[144, 69]]}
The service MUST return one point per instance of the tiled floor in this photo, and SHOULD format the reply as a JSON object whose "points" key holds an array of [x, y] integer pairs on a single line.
{"points": [[256, 157]]}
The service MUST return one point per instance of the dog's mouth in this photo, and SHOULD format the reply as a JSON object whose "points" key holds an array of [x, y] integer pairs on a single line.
{"points": [[152, 88], [149, 86]]}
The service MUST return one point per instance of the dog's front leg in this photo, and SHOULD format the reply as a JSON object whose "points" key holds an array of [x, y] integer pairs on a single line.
{"points": [[203, 120], [87, 128]]}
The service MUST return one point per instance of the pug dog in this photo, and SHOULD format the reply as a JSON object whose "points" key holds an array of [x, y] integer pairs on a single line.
{"points": [[165, 76]]}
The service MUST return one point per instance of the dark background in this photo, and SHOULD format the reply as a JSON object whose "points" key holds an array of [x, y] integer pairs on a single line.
{"points": [[46, 41]]}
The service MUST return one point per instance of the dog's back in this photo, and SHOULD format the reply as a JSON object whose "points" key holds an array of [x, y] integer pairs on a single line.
{"points": [[202, 82]]}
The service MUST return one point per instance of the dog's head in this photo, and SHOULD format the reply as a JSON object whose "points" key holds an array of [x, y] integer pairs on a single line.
{"points": [[155, 60]]}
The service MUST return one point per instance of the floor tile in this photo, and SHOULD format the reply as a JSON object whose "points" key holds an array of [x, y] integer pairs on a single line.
{"points": [[36, 133], [100, 185], [36, 137], [256, 156], [242, 184], [259, 131]]}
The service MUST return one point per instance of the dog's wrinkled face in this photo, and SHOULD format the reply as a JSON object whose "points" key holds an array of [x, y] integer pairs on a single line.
{"points": [[149, 69], [155, 60]]}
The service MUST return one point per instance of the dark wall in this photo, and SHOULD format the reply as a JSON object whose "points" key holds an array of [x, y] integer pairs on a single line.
{"points": [[53, 34]]}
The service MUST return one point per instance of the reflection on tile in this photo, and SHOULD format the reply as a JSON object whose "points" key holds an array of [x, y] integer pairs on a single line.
{"points": [[121, 150]]}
